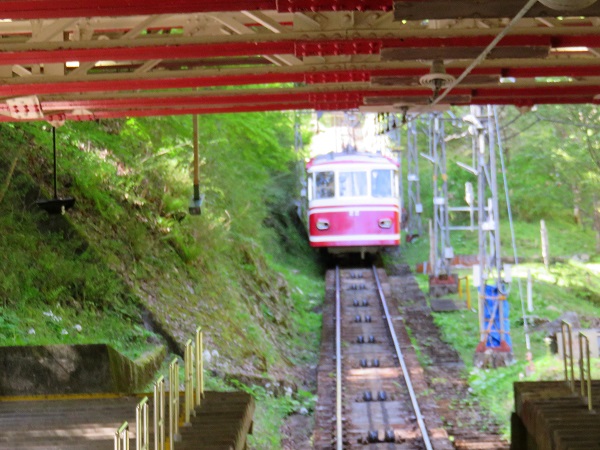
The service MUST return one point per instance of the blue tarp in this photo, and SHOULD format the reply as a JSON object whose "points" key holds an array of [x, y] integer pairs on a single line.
{"points": [[492, 303]]}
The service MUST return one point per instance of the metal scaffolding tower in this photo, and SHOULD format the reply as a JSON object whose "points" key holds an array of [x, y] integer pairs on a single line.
{"points": [[394, 132], [443, 252], [414, 227], [494, 348]]}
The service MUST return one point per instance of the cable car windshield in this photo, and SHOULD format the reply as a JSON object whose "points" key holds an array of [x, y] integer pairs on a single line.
{"points": [[353, 184], [381, 183], [324, 185]]}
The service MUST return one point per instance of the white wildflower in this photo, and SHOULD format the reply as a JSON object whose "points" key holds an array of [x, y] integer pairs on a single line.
{"points": [[78, 327], [52, 316], [64, 332], [31, 331]]}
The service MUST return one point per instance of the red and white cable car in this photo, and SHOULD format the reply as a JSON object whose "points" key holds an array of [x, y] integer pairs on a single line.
{"points": [[353, 202]]}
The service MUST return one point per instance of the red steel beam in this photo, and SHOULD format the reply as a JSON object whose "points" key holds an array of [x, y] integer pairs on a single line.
{"points": [[352, 97], [167, 111], [143, 50], [526, 101], [545, 90], [22, 88], [239, 97], [53, 9], [410, 9], [168, 82], [531, 101], [49, 9], [453, 9]]}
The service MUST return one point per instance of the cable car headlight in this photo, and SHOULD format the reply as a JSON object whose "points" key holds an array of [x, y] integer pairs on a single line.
{"points": [[322, 224], [385, 223]]}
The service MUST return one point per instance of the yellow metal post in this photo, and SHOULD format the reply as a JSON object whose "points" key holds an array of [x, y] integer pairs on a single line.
{"points": [[173, 404], [468, 292], [159, 414], [199, 366], [188, 382], [568, 355], [585, 369], [122, 437], [142, 430]]}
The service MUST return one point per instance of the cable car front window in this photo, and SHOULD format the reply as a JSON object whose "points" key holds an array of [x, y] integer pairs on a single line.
{"points": [[324, 185], [353, 184], [381, 183]]}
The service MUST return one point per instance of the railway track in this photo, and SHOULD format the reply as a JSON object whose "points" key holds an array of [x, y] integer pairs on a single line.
{"points": [[375, 374], [370, 405]]}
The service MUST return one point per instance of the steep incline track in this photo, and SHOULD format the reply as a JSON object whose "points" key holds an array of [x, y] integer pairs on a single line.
{"points": [[379, 408]]}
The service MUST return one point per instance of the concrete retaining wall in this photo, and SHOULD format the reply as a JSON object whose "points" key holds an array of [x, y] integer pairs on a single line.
{"points": [[70, 369]]}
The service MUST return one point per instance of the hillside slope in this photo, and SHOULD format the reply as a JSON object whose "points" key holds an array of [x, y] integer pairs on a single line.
{"points": [[129, 253]]}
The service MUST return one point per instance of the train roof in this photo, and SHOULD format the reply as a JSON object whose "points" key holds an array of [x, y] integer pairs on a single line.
{"points": [[350, 158]]}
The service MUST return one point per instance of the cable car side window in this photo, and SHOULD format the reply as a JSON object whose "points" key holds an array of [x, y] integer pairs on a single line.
{"points": [[324, 185], [353, 184], [381, 183]]}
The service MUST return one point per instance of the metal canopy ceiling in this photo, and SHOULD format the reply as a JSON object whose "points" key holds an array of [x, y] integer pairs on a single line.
{"points": [[115, 58]]}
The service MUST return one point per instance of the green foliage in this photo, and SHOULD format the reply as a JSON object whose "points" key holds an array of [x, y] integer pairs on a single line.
{"points": [[129, 240], [567, 287], [553, 165]]}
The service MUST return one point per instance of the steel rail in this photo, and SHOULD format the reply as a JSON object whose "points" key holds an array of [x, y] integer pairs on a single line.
{"points": [[338, 363], [413, 397]]}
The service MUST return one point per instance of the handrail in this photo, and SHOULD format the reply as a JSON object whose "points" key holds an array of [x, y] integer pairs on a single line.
{"points": [[188, 382], [571, 382], [142, 430], [122, 437], [467, 290], [159, 414], [174, 435], [585, 381], [199, 366], [193, 394]]}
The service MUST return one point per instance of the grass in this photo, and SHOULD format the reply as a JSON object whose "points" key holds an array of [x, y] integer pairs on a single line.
{"points": [[565, 240], [38, 324], [567, 286]]}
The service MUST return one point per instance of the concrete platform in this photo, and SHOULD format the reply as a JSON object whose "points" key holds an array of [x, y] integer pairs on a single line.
{"points": [[446, 305], [88, 422], [548, 416]]}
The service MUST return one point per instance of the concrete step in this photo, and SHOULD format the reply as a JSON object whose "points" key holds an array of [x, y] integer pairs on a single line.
{"points": [[555, 418], [222, 422]]}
